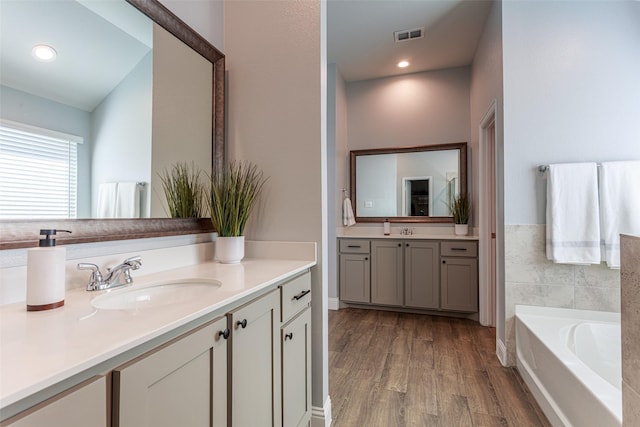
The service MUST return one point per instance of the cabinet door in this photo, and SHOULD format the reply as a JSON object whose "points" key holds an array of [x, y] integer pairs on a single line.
{"points": [[386, 272], [296, 371], [256, 363], [82, 406], [459, 284], [422, 275], [355, 282], [183, 383]]}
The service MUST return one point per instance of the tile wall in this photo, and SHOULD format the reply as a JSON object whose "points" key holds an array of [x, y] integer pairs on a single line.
{"points": [[531, 279]]}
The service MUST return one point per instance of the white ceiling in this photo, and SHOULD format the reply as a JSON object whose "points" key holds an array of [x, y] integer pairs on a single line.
{"points": [[360, 35], [94, 55]]}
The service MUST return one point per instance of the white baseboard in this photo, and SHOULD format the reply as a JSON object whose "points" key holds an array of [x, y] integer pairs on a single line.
{"points": [[321, 417], [501, 352], [333, 303]]}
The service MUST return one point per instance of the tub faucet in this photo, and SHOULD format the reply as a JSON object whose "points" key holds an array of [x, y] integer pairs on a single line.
{"points": [[117, 276]]}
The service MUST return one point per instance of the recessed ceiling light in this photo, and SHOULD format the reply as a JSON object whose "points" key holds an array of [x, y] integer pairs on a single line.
{"points": [[44, 53], [403, 64]]}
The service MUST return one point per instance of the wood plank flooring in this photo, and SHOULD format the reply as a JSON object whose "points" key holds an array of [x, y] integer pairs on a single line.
{"points": [[392, 369]]}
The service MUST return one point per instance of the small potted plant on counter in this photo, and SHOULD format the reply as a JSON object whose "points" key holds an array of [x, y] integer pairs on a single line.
{"points": [[184, 190], [460, 209], [234, 192]]}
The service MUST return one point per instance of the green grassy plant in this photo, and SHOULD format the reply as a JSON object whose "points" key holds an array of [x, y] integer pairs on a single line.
{"points": [[184, 190], [234, 192], [460, 209]]}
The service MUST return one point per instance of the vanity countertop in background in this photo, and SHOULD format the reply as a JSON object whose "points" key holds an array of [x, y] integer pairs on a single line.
{"points": [[376, 233], [41, 349]]}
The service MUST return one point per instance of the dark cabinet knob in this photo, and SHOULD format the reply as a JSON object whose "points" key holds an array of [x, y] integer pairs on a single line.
{"points": [[407, 245], [444, 262], [224, 334], [366, 258], [288, 336], [242, 323], [399, 244]]}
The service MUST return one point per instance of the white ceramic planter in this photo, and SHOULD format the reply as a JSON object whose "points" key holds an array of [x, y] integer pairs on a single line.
{"points": [[461, 229], [229, 250]]}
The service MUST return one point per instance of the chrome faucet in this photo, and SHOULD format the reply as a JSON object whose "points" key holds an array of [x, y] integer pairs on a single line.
{"points": [[119, 275]]}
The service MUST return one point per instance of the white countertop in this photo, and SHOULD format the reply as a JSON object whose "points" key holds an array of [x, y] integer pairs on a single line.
{"points": [[397, 236], [40, 349]]}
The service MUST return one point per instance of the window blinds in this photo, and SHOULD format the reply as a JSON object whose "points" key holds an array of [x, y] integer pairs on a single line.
{"points": [[38, 172]]}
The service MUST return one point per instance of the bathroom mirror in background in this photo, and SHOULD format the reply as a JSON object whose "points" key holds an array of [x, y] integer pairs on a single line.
{"points": [[413, 184], [166, 104]]}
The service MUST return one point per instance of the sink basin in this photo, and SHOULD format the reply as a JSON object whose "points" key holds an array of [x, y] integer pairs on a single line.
{"points": [[157, 295]]}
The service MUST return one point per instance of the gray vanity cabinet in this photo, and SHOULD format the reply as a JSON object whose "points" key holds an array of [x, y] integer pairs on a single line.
{"points": [[387, 272], [355, 271], [459, 276], [422, 275]]}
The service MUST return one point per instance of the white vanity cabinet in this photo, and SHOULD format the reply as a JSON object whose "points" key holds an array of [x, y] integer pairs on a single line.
{"points": [[255, 359], [84, 405], [181, 383], [295, 341]]}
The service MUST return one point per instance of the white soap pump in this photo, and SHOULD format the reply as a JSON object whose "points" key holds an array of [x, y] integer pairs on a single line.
{"points": [[46, 273], [387, 227]]}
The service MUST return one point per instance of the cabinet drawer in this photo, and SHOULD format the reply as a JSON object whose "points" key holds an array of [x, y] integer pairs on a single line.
{"points": [[468, 249], [353, 246], [296, 296]]}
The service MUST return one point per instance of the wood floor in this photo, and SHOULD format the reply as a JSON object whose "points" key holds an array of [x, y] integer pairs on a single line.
{"points": [[395, 369]]}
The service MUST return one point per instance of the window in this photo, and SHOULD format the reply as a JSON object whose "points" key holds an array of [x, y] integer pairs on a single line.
{"points": [[38, 172]]}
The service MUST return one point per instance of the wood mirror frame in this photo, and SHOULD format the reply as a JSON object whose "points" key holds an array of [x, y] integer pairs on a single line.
{"points": [[462, 172], [24, 233]]}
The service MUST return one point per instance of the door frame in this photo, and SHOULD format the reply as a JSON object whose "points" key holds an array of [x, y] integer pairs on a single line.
{"points": [[487, 213]]}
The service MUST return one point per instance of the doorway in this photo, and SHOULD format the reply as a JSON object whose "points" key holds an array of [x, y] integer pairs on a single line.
{"points": [[488, 217]]}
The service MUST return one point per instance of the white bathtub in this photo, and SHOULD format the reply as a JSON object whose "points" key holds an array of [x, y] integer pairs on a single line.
{"points": [[570, 360]]}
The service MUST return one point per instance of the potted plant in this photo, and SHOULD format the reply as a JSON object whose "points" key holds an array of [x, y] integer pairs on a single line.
{"points": [[234, 192], [184, 191], [460, 209]]}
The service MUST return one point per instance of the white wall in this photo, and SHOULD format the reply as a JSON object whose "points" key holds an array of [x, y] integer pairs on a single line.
{"points": [[276, 61], [571, 92], [33, 110], [377, 177], [121, 131]]}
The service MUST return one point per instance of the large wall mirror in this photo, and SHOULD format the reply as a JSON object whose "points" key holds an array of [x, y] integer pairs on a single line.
{"points": [[413, 184], [139, 89]]}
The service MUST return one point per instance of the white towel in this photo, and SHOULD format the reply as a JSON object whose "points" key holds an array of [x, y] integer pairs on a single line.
{"points": [[573, 220], [107, 200], [348, 219], [619, 205], [127, 200]]}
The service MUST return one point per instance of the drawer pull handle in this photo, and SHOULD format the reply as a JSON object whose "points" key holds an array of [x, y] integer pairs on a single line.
{"points": [[458, 249], [224, 334], [300, 295], [354, 246], [242, 323], [288, 336]]}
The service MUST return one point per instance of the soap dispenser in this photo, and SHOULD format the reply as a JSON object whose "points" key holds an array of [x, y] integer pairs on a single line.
{"points": [[46, 273], [387, 227]]}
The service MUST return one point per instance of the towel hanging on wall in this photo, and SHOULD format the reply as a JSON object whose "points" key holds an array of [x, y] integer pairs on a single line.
{"points": [[573, 219], [348, 219], [619, 205], [107, 193]]}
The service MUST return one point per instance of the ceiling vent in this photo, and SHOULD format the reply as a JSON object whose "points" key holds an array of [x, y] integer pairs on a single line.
{"points": [[404, 35]]}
